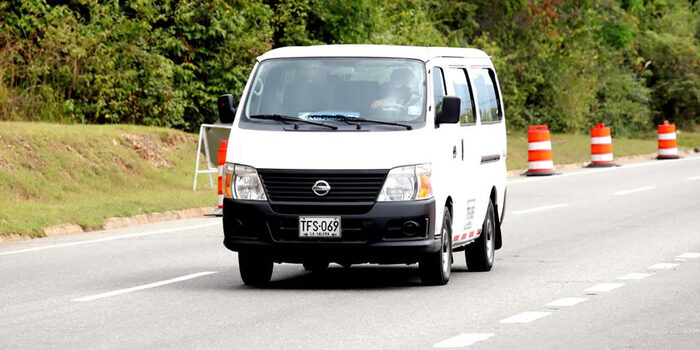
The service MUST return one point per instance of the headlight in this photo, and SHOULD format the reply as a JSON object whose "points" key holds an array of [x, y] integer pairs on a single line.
{"points": [[242, 182], [407, 183]]}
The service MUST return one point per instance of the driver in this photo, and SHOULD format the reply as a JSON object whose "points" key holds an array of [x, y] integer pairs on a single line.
{"points": [[399, 92]]}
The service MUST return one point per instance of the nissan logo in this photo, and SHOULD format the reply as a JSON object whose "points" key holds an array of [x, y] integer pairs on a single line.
{"points": [[321, 188]]}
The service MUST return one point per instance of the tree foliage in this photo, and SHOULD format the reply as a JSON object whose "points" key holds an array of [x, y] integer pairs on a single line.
{"points": [[566, 63]]}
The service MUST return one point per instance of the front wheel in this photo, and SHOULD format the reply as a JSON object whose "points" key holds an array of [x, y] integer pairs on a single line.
{"points": [[480, 254], [255, 268], [435, 268]]}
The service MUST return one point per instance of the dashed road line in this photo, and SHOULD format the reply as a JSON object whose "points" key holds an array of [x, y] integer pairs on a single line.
{"points": [[462, 340], [603, 287], [565, 302], [532, 210], [663, 266], [112, 238], [634, 190], [635, 276], [467, 339], [693, 178], [526, 317], [145, 286]]}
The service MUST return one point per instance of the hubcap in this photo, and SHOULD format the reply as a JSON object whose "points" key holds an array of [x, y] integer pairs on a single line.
{"points": [[489, 237], [445, 252]]}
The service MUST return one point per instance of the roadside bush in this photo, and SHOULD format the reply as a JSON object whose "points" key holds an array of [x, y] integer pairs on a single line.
{"points": [[566, 63]]}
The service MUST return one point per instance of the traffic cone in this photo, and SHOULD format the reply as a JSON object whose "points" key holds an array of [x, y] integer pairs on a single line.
{"points": [[601, 147], [668, 145], [221, 159], [539, 152]]}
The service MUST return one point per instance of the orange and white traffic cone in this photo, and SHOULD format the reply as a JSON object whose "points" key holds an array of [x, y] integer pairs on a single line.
{"points": [[221, 159], [668, 145], [539, 151], [601, 147]]}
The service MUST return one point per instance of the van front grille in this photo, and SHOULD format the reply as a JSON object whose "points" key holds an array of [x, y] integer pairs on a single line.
{"points": [[282, 185]]}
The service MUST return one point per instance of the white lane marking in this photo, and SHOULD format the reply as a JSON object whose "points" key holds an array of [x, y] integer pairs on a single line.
{"points": [[603, 287], [564, 302], [145, 286], [663, 266], [689, 256], [679, 259], [635, 276], [634, 190], [525, 317], [462, 340], [693, 178], [532, 210], [596, 170], [98, 240]]}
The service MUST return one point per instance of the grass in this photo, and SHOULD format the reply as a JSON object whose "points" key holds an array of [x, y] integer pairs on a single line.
{"points": [[567, 148], [52, 173], [83, 174]]}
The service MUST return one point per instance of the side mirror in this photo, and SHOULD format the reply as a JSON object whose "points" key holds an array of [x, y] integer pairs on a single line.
{"points": [[449, 111], [227, 110]]}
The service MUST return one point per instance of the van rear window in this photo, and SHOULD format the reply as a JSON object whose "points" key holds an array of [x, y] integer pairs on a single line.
{"points": [[487, 96], [467, 114]]}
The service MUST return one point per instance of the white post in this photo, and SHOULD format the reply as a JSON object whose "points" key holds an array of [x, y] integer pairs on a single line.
{"points": [[204, 138], [199, 151]]}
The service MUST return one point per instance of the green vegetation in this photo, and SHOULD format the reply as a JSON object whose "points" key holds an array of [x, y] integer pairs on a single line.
{"points": [[564, 63], [51, 174]]}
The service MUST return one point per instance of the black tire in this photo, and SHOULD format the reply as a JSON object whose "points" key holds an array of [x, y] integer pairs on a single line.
{"points": [[435, 268], [255, 268], [481, 254], [316, 265]]}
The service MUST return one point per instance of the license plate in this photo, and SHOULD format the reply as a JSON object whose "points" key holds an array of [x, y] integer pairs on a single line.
{"points": [[315, 226]]}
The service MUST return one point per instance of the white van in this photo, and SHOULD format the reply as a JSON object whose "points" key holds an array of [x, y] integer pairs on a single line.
{"points": [[365, 154]]}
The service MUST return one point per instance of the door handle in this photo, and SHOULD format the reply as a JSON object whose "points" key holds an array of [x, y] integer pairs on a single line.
{"points": [[454, 151]]}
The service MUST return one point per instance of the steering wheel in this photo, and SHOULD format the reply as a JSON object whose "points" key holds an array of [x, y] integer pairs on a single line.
{"points": [[257, 89]]}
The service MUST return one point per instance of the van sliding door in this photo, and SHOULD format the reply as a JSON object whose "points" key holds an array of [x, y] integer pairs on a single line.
{"points": [[492, 150], [469, 175]]}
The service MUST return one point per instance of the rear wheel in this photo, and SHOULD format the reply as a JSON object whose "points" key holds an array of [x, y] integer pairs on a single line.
{"points": [[435, 268], [255, 268], [480, 254]]}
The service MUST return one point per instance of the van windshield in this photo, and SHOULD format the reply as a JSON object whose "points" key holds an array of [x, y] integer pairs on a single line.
{"points": [[316, 89]]}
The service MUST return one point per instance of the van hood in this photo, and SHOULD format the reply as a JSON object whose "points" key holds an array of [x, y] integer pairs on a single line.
{"points": [[327, 150]]}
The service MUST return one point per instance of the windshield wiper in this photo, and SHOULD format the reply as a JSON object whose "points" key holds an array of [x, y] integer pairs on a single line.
{"points": [[286, 118], [348, 119]]}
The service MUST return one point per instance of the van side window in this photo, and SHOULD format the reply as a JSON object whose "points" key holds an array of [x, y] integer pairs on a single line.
{"points": [[438, 87], [487, 96], [467, 114]]}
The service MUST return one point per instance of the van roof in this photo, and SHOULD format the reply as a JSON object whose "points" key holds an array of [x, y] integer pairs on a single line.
{"points": [[393, 51]]}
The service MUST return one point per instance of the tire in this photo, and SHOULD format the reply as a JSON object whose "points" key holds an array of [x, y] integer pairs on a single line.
{"points": [[255, 268], [316, 266], [481, 254], [435, 268]]}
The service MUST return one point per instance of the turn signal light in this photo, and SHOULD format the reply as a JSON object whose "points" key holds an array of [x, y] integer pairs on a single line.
{"points": [[426, 189], [227, 185]]}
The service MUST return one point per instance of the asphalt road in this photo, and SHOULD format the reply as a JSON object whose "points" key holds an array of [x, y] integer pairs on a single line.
{"points": [[604, 258]]}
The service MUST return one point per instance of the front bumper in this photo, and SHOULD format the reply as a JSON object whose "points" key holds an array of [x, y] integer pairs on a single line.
{"points": [[382, 232]]}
